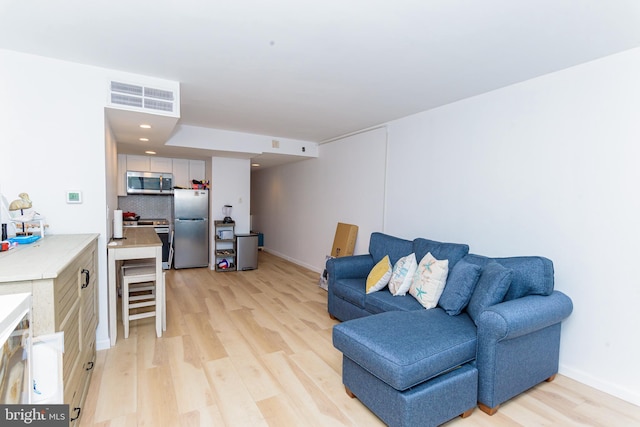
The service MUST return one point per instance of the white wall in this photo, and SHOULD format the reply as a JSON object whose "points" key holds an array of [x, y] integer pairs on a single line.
{"points": [[546, 167], [297, 206], [52, 137], [230, 185]]}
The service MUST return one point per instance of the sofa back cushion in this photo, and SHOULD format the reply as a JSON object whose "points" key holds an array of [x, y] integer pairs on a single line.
{"points": [[491, 289], [532, 275], [382, 244], [453, 252], [461, 283]]}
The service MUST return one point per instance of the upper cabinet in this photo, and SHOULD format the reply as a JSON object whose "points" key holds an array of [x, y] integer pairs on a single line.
{"points": [[149, 164], [196, 170], [183, 170], [160, 164], [181, 173]]}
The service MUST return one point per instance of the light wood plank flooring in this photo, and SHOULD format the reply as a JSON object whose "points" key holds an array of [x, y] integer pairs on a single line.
{"points": [[254, 349]]}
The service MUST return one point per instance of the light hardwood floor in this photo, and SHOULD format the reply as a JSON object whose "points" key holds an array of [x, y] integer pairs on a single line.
{"points": [[254, 349]]}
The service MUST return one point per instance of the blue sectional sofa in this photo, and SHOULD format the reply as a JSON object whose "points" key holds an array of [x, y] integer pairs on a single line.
{"points": [[495, 333]]}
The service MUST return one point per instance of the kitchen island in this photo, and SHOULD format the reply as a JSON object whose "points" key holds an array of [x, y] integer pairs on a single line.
{"points": [[137, 243]]}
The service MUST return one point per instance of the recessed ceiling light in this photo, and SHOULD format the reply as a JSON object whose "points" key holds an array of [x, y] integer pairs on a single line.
{"points": [[144, 139], [143, 126], [150, 152], [255, 165]]}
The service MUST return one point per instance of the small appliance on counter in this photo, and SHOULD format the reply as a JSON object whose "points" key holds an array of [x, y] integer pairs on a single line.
{"points": [[226, 211]]}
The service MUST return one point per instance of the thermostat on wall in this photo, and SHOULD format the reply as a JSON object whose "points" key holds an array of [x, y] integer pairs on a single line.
{"points": [[74, 197]]}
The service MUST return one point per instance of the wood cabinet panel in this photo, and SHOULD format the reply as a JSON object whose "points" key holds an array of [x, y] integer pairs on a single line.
{"points": [[61, 272]]}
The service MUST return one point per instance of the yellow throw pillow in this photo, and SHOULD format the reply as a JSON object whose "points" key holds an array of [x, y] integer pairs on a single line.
{"points": [[379, 275]]}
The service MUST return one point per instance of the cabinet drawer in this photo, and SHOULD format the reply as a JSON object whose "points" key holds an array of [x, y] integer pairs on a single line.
{"points": [[88, 327], [71, 343], [75, 400], [68, 283], [89, 312], [89, 323]]}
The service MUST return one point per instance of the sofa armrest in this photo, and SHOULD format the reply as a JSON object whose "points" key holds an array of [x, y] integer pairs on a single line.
{"points": [[518, 346], [524, 315], [349, 267]]}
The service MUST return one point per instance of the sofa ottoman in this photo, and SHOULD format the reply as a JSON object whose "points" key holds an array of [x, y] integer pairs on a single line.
{"points": [[410, 368]]}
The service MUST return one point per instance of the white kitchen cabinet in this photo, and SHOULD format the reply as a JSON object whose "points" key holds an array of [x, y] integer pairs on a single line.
{"points": [[138, 163], [122, 175], [61, 273], [196, 170], [181, 175], [185, 171], [149, 164], [160, 164]]}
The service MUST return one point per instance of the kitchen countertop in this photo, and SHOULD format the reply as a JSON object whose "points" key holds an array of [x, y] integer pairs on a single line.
{"points": [[136, 237], [42, 259], [138, 243]]}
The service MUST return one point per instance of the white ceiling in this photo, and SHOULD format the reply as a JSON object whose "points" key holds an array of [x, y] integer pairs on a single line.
{"points": [[317, 70]]}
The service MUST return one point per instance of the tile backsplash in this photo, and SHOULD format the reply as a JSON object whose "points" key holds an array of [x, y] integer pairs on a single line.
{"points": [[147, 206]]}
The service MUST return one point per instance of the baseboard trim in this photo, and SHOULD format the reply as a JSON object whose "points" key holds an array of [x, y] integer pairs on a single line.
{"points": [[623, 393], [293, 260]]}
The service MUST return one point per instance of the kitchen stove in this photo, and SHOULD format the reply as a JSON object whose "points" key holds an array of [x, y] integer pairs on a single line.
{"points": [[146, 222]]}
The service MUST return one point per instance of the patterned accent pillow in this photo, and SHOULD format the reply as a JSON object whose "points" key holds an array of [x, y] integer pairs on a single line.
{"points": [[379, 275], [402, 275], [429, 280]]}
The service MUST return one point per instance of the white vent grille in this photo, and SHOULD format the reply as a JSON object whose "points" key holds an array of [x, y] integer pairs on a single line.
{"points": [[154, 104], [158, 94], [126, 88], [129, 101], [146, 98]]}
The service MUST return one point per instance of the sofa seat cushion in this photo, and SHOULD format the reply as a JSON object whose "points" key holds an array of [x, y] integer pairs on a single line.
{"points": [[351, 290], [406, 348], [380, 302]]}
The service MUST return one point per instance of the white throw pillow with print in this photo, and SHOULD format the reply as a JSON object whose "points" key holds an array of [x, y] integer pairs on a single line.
{"points": [[402, 275], [429, 280]]}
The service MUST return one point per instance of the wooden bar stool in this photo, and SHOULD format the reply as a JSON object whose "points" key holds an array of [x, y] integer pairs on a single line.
{"points": [[141, 262], [139, 291]]}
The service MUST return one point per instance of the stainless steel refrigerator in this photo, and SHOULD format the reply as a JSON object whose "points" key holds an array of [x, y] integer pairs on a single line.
{"points": [[191, 228]]}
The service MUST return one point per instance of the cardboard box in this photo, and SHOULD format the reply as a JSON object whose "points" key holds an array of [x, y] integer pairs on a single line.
{"points": [[344, 242]]}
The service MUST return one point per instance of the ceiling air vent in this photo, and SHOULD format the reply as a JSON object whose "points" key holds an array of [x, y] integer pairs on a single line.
{"points": [[146, 98]]}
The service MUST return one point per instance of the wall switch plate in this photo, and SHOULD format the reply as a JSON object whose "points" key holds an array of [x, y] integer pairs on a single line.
{"points": [[74, 197]]}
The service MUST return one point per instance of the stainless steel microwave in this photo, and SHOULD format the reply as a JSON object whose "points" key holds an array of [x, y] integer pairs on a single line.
{"points": [[149, 183]]}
